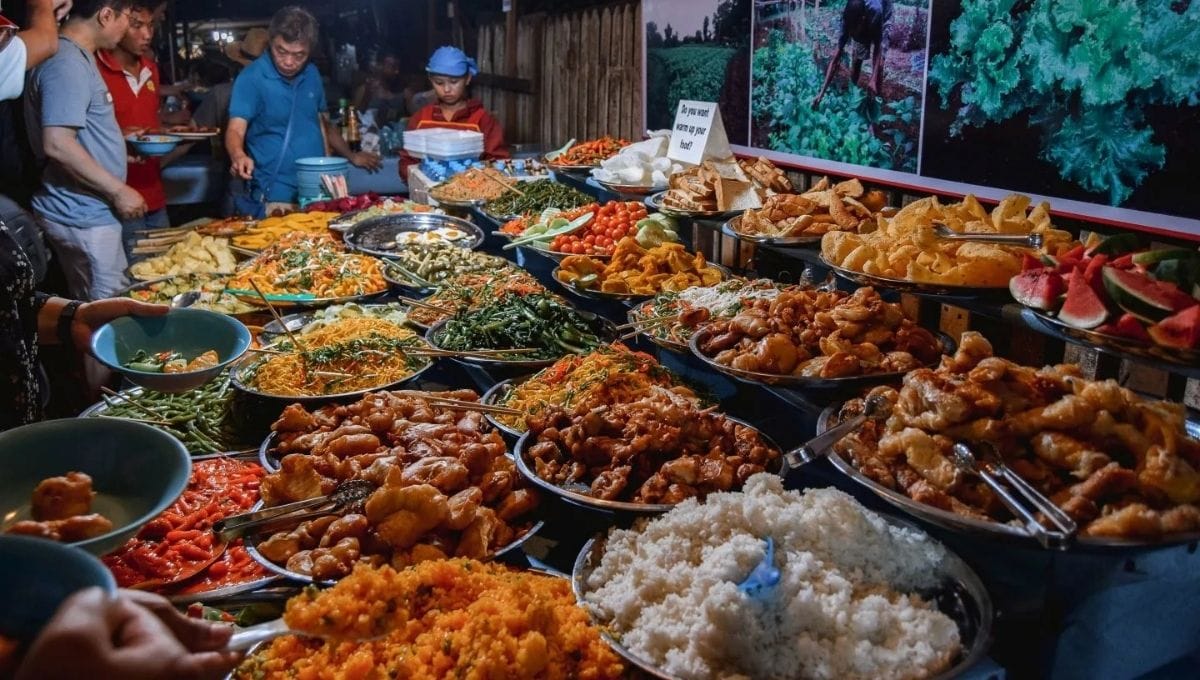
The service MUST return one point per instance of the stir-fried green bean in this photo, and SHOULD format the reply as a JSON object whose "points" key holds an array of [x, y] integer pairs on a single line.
{"points": [[533, 321], [436, 262], [198, 418], [535, 197]]}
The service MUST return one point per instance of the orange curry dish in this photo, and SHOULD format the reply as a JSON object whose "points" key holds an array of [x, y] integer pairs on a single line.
{"points": [[440, 619]]}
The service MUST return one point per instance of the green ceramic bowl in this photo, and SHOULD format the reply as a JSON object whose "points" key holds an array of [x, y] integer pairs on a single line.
{"points": [[36, 576], [190, 332], [136, 470]]}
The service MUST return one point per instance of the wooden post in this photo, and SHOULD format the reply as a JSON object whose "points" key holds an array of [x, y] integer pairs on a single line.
{"points": [[510, 68]]}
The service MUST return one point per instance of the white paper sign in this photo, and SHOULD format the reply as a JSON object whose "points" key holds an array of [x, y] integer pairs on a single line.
{"points": [[698, 133]]}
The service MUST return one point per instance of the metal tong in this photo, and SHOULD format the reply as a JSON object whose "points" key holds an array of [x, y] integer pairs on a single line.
{"points": [[992, 471], [1031, 240], [875, 407], [347, 494]]}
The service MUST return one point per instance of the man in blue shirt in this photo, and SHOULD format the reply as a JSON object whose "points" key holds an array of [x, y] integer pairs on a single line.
{"points": [[278, 87]]}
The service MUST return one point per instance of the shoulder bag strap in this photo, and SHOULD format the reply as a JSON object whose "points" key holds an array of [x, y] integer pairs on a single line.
{"points": [[287, 138]]}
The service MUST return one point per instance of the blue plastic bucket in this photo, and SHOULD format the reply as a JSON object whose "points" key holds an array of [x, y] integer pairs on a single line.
{"points": [[309, 171]]}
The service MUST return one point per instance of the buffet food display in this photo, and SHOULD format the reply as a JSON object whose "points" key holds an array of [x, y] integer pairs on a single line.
{"points": [[1120, 465], [439, 618], [443, 485], [304, 266], [851, 599], [268, 231], [404, 501], [906, 246], [819, 334], [658, 449], [637, 270], [343, 356], [611, 374], [195, 254]]}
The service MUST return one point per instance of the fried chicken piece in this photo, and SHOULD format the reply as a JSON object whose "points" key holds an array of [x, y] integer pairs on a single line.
{"points": [[69, 530], [1170, 474], [402, 516], [463, 506], [296, 480], [1068, 453], [62, 497], [445, 473], [517, 504], [1136, 520], [476, 539]]}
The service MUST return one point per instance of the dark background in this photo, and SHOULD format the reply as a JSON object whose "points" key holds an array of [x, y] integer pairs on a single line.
{"points": [[1005, 154]]}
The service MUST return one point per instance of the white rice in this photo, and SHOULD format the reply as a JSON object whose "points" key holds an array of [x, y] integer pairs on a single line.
{"points": [[841, 610]]}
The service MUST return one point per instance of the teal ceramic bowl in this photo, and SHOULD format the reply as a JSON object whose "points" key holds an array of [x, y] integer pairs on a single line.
{"points": [[153, 145], [191, 332], [136, 470], [36, 576]]}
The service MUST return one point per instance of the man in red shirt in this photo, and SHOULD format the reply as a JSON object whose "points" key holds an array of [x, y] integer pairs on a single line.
{"points": [[132, 78]]}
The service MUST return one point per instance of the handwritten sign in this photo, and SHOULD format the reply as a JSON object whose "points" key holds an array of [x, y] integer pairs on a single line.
{"points": [[698, 133]]}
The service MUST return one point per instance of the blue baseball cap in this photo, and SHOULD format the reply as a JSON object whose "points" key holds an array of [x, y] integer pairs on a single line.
{"points": [[451, 61]]}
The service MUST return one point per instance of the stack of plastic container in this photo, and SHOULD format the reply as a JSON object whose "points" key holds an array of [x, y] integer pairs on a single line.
{"points": [[444, 145]]}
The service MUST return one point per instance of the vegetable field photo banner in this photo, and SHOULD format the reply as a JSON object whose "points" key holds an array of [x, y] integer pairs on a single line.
{"points": [[1091, 104]]}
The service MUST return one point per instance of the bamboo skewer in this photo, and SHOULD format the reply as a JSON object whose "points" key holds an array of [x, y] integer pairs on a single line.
{"points": [[133, 402], [266, 351], [278, 318], [474, 406], [510, 187], [654, 320], [423, 305]]}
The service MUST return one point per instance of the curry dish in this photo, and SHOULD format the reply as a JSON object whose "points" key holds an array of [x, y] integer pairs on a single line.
{"points": [[1120, 465]]}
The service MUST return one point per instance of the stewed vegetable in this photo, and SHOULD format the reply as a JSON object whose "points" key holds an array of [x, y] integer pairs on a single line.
{"points": [[538, 321]]}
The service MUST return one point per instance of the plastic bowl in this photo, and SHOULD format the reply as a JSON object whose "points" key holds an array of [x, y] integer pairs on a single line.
{"points": [[136, 470], [36, 576], [153, 145], [190, 332]]}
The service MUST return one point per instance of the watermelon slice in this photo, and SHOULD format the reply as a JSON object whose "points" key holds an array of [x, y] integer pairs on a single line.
{"points": [[1127, 326], [1037, 288], [1180, 330], [1124, 262], [1091, 272], [1152, 257], [1118, 244], [1140, 295], [1083, 308], [1029, 262]]}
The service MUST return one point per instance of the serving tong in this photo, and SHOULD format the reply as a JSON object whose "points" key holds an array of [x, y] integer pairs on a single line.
{"points": [[992, 471], [943, 231], [876, 407], [347, 495]]}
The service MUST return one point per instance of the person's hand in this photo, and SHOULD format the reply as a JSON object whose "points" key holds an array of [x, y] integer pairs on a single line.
{"points": [[92, 315], [243, 167], [93, 635], [129, 203], [368, 161], [61, 9]]}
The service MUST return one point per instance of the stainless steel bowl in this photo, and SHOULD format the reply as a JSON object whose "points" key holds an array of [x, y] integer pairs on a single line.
{"points": [[981, 529], [961, 596], [378, 235], [580, 496]]}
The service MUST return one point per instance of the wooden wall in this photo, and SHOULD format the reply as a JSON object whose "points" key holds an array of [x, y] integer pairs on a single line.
{"points": [[586, 70]]}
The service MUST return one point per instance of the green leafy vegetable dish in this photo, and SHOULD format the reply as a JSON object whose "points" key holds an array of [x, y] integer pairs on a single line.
{"points": [[539, 322]]}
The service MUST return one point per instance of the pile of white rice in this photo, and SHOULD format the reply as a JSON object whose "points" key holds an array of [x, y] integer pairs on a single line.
{"points": [[841, 610]]}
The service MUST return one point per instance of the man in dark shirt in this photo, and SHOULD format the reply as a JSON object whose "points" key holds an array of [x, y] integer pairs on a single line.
{"points": [[864, 22]]}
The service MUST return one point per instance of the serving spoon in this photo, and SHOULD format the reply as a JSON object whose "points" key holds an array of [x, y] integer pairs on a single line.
{"points": [[876, 407], [245, 638]]}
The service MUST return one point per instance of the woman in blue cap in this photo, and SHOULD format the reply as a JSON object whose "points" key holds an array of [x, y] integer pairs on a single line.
{"points": [[450, 72]]}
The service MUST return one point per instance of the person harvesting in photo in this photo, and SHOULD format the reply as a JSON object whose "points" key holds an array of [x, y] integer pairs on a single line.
{"points": [[864, 28]]}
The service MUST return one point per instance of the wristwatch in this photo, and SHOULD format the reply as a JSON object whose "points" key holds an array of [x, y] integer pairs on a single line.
{"points": [[65, 318]]}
